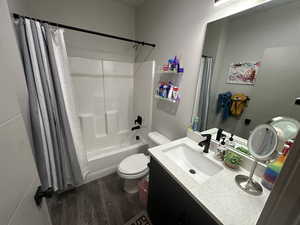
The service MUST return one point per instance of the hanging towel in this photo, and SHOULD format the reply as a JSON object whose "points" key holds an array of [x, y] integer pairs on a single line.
{"points": [[239, 102], [224, 104]]}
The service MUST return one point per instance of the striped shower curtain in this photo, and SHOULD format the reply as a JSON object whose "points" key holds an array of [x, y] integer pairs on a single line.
{"points": [[207, 72], [43, 53]]}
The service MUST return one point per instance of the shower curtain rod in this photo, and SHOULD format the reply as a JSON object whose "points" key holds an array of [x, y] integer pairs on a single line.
{"points": [[86, 31]]}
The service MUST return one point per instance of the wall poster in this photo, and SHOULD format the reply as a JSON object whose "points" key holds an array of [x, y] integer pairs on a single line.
{"points": [[243, 73]]}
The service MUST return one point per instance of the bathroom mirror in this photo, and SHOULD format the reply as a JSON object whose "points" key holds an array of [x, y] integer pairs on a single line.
{"points": [[249, 72]]}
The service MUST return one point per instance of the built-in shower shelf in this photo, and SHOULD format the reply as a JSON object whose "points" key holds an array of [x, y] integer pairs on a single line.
{"points": [[165, 99], [170, 72]]}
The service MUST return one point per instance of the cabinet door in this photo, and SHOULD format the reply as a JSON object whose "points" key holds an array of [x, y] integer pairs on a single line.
{"points": [[170, 204], [166, 204], [197, 215]]}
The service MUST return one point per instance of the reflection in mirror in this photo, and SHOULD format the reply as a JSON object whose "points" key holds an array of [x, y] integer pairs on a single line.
{"points": [[250, 69], [287, 126]]}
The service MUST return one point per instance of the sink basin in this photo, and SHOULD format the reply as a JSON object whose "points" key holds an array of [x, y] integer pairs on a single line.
{"points": [[194, 162]]}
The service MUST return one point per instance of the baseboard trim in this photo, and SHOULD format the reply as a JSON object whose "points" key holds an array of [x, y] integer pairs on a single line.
{"points": [[91, 176]]}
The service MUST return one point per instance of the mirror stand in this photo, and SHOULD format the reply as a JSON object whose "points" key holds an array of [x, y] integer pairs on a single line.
{"points": [[247, 184]]}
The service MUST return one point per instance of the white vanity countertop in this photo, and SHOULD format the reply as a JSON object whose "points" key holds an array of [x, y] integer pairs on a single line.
{"points": [[219, 196]]}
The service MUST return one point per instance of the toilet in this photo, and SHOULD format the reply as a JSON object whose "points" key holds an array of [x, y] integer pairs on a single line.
{"points": [[135, 167]]}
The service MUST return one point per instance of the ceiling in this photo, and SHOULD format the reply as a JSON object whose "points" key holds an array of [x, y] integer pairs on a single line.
{"points": [[132, 3]]}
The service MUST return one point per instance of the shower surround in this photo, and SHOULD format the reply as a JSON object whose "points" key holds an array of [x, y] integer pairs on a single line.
{"points": [[104, 98]]}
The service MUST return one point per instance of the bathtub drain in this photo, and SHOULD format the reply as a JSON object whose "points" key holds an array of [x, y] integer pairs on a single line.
{"points": [[192, 171]]}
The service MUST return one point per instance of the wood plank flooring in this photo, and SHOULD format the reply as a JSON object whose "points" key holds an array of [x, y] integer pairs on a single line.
{"points": [[101, 202]]}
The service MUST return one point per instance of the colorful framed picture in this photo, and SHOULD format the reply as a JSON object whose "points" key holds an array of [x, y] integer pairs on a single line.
{"points": [[243, 73]]}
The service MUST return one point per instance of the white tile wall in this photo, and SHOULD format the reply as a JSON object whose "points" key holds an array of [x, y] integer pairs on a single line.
{"points": [[112, 122], [99, 103], [117, 68], [15, 167], [85, 66], [86, 90], [8, 99], [143, 93], [27, 212], [100, 125], [88, 130], [18, 173], [18, 176], [119, 96], [106, 97]]}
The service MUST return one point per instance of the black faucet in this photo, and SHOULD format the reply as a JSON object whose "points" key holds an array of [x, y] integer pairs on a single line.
{"points": [[135, 128], [206, 142], [139, 120], [220, 134]]}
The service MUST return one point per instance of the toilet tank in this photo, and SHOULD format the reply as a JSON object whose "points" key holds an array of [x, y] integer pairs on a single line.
{"points": [[156, 139]]}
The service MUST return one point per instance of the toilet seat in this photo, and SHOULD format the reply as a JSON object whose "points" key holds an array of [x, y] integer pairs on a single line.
{"points": [[134, 166]]}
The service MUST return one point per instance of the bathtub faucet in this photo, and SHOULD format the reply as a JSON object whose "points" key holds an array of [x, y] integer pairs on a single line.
{"points": [[135, 128], [139, 120]]}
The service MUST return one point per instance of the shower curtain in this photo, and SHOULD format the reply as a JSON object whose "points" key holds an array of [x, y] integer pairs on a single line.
{"points": [[207, 71], [46, 70]]}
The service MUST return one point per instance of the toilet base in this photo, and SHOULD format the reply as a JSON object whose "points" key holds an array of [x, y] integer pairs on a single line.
{"points": [[131, 186]]}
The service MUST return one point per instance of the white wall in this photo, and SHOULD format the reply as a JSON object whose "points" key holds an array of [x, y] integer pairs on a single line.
{"points": [[178, 28], [106, 16], [18, 173], [142, 95], [246, 39]]}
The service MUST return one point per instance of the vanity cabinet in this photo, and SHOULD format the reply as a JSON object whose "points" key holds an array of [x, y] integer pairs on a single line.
{"points": [[169, 203]]}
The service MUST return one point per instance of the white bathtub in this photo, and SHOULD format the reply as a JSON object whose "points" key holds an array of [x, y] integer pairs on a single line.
{"points": [[105, 161]]}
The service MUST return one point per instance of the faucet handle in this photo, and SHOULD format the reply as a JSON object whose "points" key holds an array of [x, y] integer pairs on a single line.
{"points": [[139, 120], [220, 134], [223, 141]]}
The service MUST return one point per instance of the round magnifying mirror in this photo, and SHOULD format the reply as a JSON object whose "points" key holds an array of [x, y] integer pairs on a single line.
{"points": [[264, 142], [288, 126]]}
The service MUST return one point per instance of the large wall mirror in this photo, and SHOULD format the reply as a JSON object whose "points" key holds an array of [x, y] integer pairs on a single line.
{"points": [[250, 69]]}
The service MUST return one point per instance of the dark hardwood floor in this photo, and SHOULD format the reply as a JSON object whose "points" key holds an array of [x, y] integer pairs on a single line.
{"points": [[101, 202]]}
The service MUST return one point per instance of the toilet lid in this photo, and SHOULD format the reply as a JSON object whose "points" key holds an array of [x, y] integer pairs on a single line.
{"points": [[134, 164]]}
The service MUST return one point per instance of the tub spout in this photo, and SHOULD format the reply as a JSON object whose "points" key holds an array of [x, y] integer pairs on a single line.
{"points": [[135, 128]]}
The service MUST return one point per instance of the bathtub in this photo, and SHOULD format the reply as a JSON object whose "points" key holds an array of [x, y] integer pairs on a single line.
{"points": [[103, 162]]}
